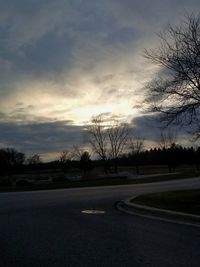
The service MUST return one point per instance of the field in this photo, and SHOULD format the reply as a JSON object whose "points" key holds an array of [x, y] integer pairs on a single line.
{"points": [[55, 179]]}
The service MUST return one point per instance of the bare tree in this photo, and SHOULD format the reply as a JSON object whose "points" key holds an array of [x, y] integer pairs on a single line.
{"points": [[167, 139], [175, 93], [107, 139], [136, 145], [97, 137], [117, 135], [65, 156], [34, 160], [77, 152]]}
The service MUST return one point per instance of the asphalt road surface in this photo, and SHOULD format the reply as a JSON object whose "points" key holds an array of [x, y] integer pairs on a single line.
{"points": [[48, 228]]}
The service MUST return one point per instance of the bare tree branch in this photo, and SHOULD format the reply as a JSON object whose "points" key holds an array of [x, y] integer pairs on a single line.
{"points": [[176, 93]]}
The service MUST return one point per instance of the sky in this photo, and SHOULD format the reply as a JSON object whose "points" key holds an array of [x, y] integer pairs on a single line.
{"points": [[64, 61]]}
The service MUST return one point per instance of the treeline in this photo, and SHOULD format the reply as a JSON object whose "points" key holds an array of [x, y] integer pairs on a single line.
{"points": [[13, 161], [171, 157]]}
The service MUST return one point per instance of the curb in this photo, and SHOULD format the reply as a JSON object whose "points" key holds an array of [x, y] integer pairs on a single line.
{"points": [[133, 208]]}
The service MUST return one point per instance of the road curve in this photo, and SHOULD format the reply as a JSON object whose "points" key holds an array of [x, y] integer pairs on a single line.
{"points": [[47, 228]]}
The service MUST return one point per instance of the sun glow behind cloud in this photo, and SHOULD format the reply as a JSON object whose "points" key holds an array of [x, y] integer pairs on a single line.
{"points": [[76, 96], [43, 100]]}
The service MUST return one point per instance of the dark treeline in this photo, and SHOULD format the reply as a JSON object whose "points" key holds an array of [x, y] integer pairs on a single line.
{"points": [[172, 157], [14, 162], [11, 160]]}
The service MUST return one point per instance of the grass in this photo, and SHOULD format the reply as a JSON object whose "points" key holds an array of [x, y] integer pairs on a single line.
{"points": [[187, 201], [100, 182]]}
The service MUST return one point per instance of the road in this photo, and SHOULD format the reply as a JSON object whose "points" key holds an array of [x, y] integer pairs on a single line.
{"points": [[47, 228]]}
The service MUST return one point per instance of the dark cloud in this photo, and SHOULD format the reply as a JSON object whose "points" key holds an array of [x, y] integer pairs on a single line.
{"points": [[41, 137], [150, 127], [146, 126], [152, 14], [124, 35]]}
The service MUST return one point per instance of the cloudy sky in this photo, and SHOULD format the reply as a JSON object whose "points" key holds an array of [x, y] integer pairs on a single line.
{"points": [[63, 61]]}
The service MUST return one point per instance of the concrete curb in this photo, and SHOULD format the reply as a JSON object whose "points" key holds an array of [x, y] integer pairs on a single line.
{"points": [[133, 208]]}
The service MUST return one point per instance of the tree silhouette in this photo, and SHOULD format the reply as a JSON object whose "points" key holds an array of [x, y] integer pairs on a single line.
{"points": [[34, 160], [65, 158], [85, 162], [117, 136], [167, 142], [136, 145], [107, 139], [10, 160], [167, 138], [175, 93], [97, 137]]}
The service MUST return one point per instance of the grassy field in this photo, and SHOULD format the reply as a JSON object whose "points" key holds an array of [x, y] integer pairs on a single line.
{"points": [[187, 201], [103, 182]]}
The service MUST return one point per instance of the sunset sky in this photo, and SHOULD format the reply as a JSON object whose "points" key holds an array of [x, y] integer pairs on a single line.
{"points": [[63, 61]]}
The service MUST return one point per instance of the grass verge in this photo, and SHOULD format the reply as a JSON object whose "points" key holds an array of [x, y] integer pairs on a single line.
{"points": [[187, 201]]}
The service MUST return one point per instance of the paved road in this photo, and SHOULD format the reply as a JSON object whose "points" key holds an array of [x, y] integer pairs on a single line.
{"points": [[47, 228]]}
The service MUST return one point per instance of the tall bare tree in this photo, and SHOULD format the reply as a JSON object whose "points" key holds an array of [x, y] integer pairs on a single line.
{"points": [[97, 137], [175, 93], [117, 136], [107, 139]]}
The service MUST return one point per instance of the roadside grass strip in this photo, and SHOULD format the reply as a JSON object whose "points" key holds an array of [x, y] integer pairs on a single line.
{"points": [[186, 201]]}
